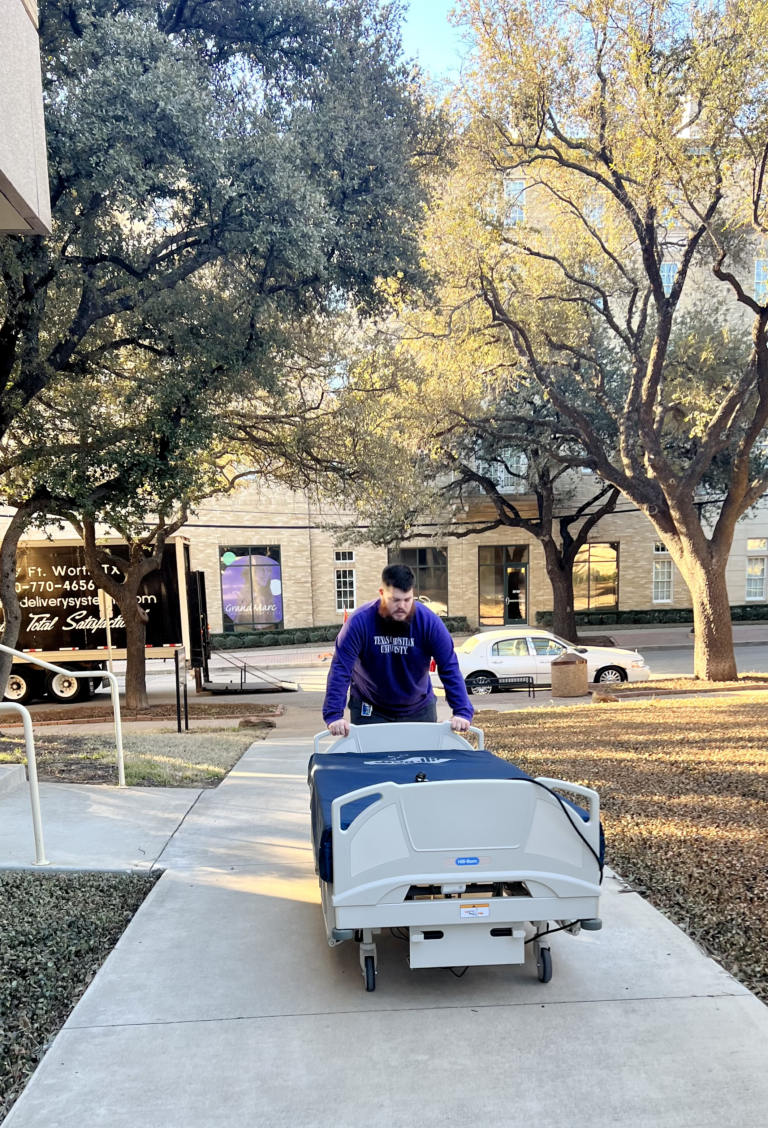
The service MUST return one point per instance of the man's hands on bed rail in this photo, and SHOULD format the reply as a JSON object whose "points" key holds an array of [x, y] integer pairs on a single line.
{"points": [[460, 724], [341, 728]]}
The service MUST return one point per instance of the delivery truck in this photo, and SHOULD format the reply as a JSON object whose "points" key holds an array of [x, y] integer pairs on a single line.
{"points": [[64, 621]]}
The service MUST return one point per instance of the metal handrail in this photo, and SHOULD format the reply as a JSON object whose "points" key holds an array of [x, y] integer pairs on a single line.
{"points": [[245, 667], [84, 674], [34, 791]]}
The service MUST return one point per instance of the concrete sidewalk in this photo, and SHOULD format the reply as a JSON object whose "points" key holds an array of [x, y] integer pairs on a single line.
{"points": [[223, 1007], [90, 826]]}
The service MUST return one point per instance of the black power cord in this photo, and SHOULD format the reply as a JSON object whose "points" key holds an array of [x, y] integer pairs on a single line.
{"points": [[549, 931], [561, 801]]}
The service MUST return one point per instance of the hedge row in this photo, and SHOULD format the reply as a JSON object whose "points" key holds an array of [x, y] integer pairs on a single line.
{"points": [[741, 613], [457, 624]]}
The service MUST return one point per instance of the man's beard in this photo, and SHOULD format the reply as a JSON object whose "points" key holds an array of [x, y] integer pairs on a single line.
{"points": [[384, 613]]}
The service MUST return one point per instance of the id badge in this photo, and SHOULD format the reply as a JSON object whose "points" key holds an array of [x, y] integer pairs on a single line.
{"points": [[367, 710]]}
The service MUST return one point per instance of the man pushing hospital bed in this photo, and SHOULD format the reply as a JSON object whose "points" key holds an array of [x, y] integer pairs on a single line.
{"points": [[454, 848]]}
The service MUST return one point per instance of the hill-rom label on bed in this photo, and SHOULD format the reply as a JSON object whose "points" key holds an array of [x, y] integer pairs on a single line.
{"points": [[390, 761], [476, 910], [469, 860]]}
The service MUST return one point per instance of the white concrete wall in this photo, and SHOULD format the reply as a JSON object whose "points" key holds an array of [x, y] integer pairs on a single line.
{"points": [[25, 204]]}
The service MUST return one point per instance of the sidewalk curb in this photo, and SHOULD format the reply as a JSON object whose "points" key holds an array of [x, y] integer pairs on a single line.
{"points": [[627, 695], [686, 646]]}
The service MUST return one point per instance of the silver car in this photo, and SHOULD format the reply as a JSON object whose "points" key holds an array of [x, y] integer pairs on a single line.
{"points": [[486, 658]]}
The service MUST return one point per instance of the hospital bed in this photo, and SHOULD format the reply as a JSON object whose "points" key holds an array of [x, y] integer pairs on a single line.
{"points": [[452, 848]]}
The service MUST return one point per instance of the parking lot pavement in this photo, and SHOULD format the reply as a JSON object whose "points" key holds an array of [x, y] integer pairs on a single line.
{"points": [[222, 1006]]}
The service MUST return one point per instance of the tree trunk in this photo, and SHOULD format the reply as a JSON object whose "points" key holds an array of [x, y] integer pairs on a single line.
{"points": [[713, 659], [560, 573], [135, 619], [8, 595]]}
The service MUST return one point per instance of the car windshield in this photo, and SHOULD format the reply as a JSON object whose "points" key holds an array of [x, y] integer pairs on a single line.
{"points": [[469, 645]]}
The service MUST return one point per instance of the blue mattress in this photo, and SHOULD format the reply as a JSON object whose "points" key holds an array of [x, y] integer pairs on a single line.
{"points": [[334, 774]]}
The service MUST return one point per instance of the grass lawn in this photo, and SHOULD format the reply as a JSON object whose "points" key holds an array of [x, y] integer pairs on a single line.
{"points": [[684, 794], [55, 932], [152, 759]]}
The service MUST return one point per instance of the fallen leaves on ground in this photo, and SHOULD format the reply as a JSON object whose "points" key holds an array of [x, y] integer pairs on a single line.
{"points": [[55, 932], [684, 795]]}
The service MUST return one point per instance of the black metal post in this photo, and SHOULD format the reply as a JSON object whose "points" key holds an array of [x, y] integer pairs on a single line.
{"points": [[186, 705], [178, 694]]}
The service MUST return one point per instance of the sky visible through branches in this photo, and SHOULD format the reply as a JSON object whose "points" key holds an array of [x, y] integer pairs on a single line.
{"points": [[428, 35]]}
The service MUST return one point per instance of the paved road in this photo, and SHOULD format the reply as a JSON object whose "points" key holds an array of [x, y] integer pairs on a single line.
{"points": [[672, 663], [663, 663]]}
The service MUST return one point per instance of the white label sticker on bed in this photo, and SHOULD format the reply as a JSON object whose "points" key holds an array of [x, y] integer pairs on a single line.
{"points": [[475, 910]]}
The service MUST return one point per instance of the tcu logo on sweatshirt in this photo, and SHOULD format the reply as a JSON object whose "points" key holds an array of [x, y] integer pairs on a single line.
{"points": [[389, 644]]}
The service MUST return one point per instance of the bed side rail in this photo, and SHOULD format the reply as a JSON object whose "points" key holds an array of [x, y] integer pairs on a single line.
{"points": [[592, 797], [401, 736]]}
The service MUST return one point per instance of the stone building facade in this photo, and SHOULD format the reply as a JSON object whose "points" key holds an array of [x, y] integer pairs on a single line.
{"points": [[623, 568], [272, 559]]}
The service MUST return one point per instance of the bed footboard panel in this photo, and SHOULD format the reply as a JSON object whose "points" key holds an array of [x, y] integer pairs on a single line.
{"points": [[454, 833]]}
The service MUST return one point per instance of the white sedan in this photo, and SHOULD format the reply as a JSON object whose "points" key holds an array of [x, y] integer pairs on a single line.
{"points": [[486, 659]]}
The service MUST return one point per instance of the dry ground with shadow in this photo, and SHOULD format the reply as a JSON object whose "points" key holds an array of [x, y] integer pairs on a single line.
{"points": [[684, 794], [160, 758]]}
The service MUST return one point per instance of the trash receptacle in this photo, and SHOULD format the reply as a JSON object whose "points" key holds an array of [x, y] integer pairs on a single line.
{"points": [[569, 676]]}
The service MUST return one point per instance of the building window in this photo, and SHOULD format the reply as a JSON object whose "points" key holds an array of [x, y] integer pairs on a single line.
{"points": [[345, 589], [660, 549], [756, 568], [251, 588], [510, 474], [761, 278], [502, 584], [344, 556], [596, 578], [514, 202], [430, 567], [668, 272], [755, 577], [662, 581]]}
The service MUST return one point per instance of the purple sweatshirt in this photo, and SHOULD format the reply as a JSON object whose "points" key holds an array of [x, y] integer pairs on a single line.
{"points": [[391, 671]]}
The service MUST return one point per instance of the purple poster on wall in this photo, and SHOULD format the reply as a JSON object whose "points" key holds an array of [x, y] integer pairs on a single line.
{"points": [[251, 588]]}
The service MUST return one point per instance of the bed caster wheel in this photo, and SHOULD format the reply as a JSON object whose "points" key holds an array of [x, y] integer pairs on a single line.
{"points": [[370, 973], [544, 965]]}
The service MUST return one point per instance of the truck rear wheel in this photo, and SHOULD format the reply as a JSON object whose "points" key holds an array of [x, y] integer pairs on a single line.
{"points": [[66, 689], [24, 684]]}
